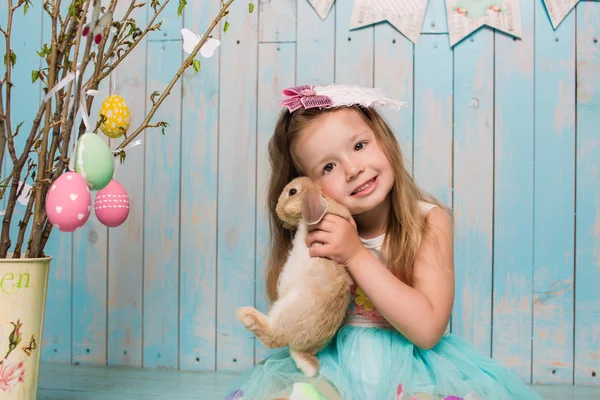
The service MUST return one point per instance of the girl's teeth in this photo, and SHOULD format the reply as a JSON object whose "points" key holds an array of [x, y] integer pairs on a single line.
{"points": [[366, 185]]}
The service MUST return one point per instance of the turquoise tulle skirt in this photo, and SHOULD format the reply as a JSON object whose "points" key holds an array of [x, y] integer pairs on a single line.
{"points": [[381, 364]]}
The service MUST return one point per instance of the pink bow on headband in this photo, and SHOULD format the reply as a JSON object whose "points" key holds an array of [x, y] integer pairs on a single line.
{"points": [[304, 96]]}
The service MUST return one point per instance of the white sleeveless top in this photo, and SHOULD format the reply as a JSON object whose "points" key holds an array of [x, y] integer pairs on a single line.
{"points": [[361, 311]]}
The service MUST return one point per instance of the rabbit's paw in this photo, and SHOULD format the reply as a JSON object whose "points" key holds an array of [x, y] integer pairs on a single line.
{"points": [[306, 362], [249, 316]]}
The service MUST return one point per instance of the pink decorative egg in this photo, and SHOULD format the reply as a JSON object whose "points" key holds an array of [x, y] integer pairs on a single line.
{"points": [[112, 204], [68, 203]]}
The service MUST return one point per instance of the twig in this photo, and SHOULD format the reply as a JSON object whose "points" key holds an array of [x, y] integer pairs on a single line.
{"points": [[2, 131], [186, 64], [39, 200], [130, 49], [8, 82]]}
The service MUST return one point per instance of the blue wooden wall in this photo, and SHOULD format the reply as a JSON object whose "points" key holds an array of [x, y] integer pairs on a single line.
{"points": [[504, 131]]}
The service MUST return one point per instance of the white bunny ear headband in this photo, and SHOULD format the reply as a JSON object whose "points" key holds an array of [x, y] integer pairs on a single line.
{"points": [[335, 95]]}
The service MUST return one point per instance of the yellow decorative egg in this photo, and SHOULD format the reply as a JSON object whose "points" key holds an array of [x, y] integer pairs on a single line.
{"points": [[117, 116]]}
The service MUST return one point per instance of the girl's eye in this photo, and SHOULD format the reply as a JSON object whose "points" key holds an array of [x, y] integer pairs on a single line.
{"points": [[328, 167], [359, 146]]}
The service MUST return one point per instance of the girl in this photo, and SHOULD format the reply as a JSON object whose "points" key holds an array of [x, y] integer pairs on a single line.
{"points": [[399, 251]]}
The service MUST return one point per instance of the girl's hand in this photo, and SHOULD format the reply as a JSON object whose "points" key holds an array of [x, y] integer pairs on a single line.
{"points": [[339, 237]]}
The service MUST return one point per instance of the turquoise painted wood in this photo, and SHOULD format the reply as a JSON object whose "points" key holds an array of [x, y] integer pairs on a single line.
{"points": [[198, 247], [315, 50], [126, 261], [502, 131], [513, 197], [554, 194], [473, 187], [394, 70], [353, 49], [236, 224], [587, 206], [276, 67], [433, 118], [162, 201]]}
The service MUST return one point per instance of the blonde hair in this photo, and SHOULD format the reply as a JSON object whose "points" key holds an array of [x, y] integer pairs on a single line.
{"points": [[405, 222]]}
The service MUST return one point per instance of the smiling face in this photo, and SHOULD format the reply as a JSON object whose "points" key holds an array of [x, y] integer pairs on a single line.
{"points": [[339, 151]]}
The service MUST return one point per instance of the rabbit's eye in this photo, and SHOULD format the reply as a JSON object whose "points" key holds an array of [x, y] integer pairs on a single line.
{"points": [[292, 192]]}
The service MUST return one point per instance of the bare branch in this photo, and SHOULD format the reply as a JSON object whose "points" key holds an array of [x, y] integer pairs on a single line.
{"points": [[114, 65], [186, 64]]}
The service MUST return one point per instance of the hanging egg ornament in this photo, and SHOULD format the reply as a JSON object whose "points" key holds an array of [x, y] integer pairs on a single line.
{"points": [[112, 204], [117, 115], [68, 202], [94, 160]]}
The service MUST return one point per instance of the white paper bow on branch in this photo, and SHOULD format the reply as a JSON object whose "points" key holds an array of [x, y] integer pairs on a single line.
{"points": [[191, 40]]}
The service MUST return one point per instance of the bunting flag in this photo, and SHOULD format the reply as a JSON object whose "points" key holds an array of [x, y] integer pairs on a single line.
{"points": [[466, 16], [558, 10], [405, 15], [322, 7]]}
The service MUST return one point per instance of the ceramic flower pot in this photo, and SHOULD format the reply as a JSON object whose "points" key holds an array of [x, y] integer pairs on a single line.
{"points": [[23, 285]]}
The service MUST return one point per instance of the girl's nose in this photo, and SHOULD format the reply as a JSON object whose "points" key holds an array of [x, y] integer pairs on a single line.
{"points": [[353, 171]]}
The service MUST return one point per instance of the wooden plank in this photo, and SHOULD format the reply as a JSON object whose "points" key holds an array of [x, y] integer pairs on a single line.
{"points": [[353, 49], [473, 187], [277, 20], [91, 383], [587, 300], [394, 74], [58, 318], [198, 244], [276, 70], [315, 51], [236, 193], [162, 199], [90, 272], [115, 382], [432, 158], [513, 198], [554, 199], [435, 17], [125, 243], [57, 339]]}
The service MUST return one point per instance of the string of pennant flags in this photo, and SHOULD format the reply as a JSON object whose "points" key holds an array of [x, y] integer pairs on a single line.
{"points": [[464, 16]]}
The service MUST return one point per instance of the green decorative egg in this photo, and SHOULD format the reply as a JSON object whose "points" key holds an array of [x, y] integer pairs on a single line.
{"points": [[94, 161], [304, 391]]}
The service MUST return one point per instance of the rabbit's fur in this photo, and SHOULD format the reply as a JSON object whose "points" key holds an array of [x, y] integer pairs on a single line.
{"points": [[313, 292]]}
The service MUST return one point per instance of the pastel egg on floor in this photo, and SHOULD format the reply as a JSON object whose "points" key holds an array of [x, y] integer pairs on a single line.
{"points": [[112, 204], [117, 116], [68, 203], [94, 160]]}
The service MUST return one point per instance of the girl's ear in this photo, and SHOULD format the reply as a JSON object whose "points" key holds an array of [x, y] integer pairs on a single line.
{"points": [[314, 206]]}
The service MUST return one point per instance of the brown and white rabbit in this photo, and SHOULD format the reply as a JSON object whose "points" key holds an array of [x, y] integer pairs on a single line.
{"points": [[313, 292]]}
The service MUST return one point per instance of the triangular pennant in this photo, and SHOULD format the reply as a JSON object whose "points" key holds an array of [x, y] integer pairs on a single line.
{"points": [[322, 7], [406, 16], [466, 16], [558, 10]]}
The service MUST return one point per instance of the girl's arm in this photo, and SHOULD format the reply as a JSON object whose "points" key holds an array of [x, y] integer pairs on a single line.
{"points": [[421, 313]]}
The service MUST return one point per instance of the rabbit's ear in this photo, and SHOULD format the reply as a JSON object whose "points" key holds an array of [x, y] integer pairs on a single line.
{"points": [[314, 206]]}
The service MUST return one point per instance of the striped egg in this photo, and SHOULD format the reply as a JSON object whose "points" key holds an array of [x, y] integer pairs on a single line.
{"points": [[112, 204]]}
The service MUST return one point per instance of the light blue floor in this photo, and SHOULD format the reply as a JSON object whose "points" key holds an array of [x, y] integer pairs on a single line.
{"points": [[68, 382]]}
